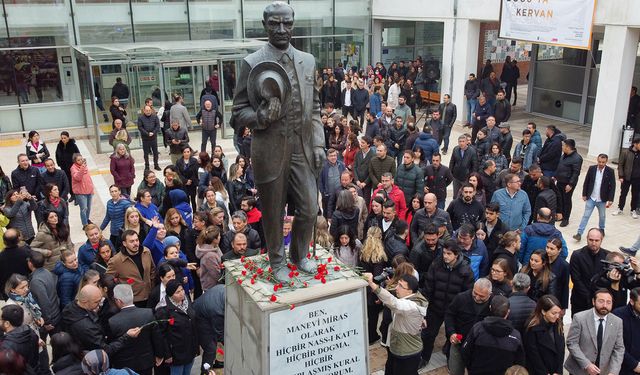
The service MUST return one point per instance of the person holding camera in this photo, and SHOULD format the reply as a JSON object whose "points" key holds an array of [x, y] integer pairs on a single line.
{"points": [[619, 275], [409, 309]]}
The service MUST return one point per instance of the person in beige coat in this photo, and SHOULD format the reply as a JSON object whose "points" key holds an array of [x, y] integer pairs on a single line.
{"points": [[52, 239]]}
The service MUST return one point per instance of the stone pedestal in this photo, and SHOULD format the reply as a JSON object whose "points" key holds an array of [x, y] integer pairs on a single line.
{"points": [[312, 327]]}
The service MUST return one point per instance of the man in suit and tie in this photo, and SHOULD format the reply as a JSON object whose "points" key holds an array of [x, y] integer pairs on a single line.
{"points": [[595, 339], [142, 352], [287, 151]]}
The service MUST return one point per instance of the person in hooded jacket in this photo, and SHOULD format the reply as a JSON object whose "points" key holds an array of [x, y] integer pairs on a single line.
{"points": [[536, 235], [180, 202], [493, 345], [66, 356], [19, 336], [448, 275], [427, 143], [551, 151]]}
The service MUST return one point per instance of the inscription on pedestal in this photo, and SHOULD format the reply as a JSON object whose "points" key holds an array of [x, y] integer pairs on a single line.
{"points": [[324, 337]]}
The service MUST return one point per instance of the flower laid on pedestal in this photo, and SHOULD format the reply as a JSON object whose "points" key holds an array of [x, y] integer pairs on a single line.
{"points": [[253, 272]]}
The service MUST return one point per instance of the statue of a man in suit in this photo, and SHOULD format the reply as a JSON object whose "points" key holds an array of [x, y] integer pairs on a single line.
{"points": [[287, 150]]}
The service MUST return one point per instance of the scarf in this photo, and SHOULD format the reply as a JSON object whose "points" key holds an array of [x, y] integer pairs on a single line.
{"points": [[183, 306], [29, 302], [55, 202], [95, 362]]}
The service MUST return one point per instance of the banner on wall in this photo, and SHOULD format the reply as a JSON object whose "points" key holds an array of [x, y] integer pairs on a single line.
{"points": [[566, 23]]}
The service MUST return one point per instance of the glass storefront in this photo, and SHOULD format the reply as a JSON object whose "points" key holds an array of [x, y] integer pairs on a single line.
{"points": [[41, 77], [560, 78]]}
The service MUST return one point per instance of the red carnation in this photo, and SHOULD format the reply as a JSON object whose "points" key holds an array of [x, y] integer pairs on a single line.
{"points": [[308, 255], [239, 281], [459, 337], [273, 298], [329, 260], [130, 281], [244, 273], [172, 321], [253, 281], [291, 274], [259, 271], [242, 259], [220, 351], [336, 268], [323, 280], [305, 284], [292, 306]]}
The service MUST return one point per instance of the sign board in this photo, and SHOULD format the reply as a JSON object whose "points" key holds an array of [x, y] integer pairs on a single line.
{"points": [[566, 23], [322, 337]]}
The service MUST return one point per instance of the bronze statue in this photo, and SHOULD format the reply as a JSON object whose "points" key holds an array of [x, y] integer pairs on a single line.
{"points": [[277, 99]]}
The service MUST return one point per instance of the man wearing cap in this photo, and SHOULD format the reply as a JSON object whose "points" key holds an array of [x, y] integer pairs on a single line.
{"points": [[506, 139], [287, 150], [566, 176]]}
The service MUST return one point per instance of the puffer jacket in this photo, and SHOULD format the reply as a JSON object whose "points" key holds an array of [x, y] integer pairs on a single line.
{"points": [[427, 143], [535, 236], [45, 242], [210, 260], [68, 282], [569, 168], [492, 346], [29, 178], [157, 191], [20, 217], [123, 170], [551, 152], [410, 179], [444, 282], [408, 312], [114, 214], [22, 340]]}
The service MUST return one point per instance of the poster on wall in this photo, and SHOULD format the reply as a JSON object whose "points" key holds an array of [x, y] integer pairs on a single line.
{"points": [[566, 23]]}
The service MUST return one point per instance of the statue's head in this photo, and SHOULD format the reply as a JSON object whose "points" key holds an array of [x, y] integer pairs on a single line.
{"points": [[278, 22]]}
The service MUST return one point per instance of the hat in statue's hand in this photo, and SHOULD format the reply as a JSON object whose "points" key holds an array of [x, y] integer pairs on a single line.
{"points": [[267, 80]]}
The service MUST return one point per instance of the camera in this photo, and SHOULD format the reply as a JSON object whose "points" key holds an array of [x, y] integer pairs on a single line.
{"points": [[624, 268], [386, 272]]}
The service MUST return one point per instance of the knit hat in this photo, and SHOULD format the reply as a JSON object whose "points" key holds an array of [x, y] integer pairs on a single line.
{"points": [[171, 240], [95, 362], [171, 287]]}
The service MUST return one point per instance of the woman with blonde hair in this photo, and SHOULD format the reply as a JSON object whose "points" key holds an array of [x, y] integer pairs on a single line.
{"points": [[88, 251], [219, 219], [133, 220], [373, 260], [323, 238], [175, 225], [121, 137]]}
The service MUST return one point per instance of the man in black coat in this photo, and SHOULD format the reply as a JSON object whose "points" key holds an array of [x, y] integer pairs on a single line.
{"points": [[360, 99], [18, 336], [464, 160], [466, 309], [80, 320], [584, 264], [425, 251], [521, 304], [361, 166], [429, 215], [493, 343], [567, 176], [346, 98], [630, 315], [436, 179], [551, 151], [210, 321], [240, 224], [448, 275], [13, 259], [604, 177], [395, 242], [466, 209], [57, 177], [491, 229], [142, 352], [27, 176]]}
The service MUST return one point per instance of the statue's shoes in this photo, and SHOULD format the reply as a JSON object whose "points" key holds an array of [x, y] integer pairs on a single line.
{"points": [[307, 265], [281, 274]]}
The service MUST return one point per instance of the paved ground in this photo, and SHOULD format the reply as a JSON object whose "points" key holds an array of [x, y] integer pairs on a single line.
{"points": [[621, 230]]}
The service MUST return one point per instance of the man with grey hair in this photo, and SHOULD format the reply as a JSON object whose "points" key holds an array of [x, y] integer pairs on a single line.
{"points": [[142, 352], [239, 223], [466, 309], [521, 305]]}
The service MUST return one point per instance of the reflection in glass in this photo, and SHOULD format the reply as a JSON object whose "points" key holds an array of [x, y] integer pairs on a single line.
{"points": [[33, 76]]}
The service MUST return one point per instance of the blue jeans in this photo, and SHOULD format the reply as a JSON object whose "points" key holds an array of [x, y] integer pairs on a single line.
{"points": [[588, 210], [636, 245], [84, 201], [446, 133], [182, 369], [471, 107]]}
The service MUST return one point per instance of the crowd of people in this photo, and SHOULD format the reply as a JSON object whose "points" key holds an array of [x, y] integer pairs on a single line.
{"points": [[486, 261]]}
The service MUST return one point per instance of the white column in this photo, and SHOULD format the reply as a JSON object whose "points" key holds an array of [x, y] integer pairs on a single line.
{"points": [[614, 84], [448, 58], [466, 61], [376, 41]]}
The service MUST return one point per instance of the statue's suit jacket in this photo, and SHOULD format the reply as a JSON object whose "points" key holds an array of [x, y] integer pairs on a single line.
{"points": [[268, 151]]}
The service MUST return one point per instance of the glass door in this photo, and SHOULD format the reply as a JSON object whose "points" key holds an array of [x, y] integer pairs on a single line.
{"points": [[230, 70]]}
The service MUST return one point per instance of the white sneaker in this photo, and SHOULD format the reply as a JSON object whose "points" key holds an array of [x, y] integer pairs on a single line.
{"points": [[616, 212], [634, 214]]}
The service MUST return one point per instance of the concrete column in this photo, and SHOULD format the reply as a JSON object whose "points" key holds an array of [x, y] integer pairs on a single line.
{"points": [[614, 84], [466, 60], [376, 41], [448, 57]]}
